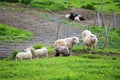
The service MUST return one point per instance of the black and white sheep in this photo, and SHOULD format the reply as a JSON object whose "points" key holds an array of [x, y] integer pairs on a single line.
{"points": [[74, 16]]}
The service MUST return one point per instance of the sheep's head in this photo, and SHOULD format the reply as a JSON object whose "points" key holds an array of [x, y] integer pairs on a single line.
{"points": [[94, 39], [76, 40]]}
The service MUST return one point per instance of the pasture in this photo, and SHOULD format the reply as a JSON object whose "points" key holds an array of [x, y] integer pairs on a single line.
{"points": [[103, 65], [109, 5], [82, 67]]}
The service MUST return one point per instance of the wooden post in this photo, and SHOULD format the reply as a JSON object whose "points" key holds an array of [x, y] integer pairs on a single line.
{"points": [[102, 12], [107, 30], [114, 20], [58, 30], [98, 17]]}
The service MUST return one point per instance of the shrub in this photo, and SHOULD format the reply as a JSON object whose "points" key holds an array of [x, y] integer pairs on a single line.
{"points": [[116, 0], [89, 6], [25, 1], [12, 1]]}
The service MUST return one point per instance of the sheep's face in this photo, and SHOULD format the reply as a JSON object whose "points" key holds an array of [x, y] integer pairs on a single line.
{"points": [[94, 39], [76, 40]]}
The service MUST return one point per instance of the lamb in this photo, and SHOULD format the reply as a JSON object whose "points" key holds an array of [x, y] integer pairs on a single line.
{"points": [[67, 42], [90, 41], [61, 50], [39, 52], [24, 55], [74, 16]]}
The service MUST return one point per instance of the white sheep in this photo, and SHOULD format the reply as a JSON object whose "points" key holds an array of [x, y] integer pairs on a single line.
{"points": [[61, 50], [67, 42], [90, 41], [24, 55], [85, 33], [39, 52]]}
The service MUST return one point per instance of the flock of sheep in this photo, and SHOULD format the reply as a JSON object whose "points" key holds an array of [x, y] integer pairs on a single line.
{"points": [[61, 47]]}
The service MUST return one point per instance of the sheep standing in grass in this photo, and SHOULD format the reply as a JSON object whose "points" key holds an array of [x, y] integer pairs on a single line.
{"points": [[24, 55], [67, 42], [90, 41], [85, 33], [61, 50], [39, 52]]}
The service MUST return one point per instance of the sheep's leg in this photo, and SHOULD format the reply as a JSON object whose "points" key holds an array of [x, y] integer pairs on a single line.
{"points": [[94, 48], [71, 53], [57, 54], [89, 49]]}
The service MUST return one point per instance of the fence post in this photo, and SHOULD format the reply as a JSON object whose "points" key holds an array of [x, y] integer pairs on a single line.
{"points": [[58, 30], [107, 30], [98, 17]]}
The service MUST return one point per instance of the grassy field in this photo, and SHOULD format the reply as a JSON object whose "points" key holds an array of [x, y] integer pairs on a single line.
{"points": [[11, 33], [56, 5], [83, 67]]}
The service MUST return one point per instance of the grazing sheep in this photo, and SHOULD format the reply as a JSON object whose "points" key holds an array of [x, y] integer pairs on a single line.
{"points": [[74, 16], [39, 52], [24, 55], [85, 33], [90, 41], [61, 50], [67, 42]]}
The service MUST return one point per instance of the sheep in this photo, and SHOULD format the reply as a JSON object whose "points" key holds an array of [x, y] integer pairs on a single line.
{"points": [[74, 16], [85, 33], [90, 41], [39, 52], [67, 42], [24, 55], [61, 50]]}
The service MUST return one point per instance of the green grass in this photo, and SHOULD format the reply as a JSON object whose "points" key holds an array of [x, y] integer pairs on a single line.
{"points": [[83, 67], [11, 33], [56, 5], [113, 38]]}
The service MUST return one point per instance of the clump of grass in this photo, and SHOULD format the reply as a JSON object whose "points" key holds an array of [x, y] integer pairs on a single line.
{"points": [[12, 57], [54, 6], [12, 33]]}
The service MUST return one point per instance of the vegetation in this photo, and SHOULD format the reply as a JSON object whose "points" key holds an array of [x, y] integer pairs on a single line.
{"points": [[114, 39], [56, 5], [83, 67], [10, 33]]}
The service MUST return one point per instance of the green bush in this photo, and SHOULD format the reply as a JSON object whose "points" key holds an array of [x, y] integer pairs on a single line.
{"points": [[89, 6], [12, 1], [25, 1], [12, 57]]}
